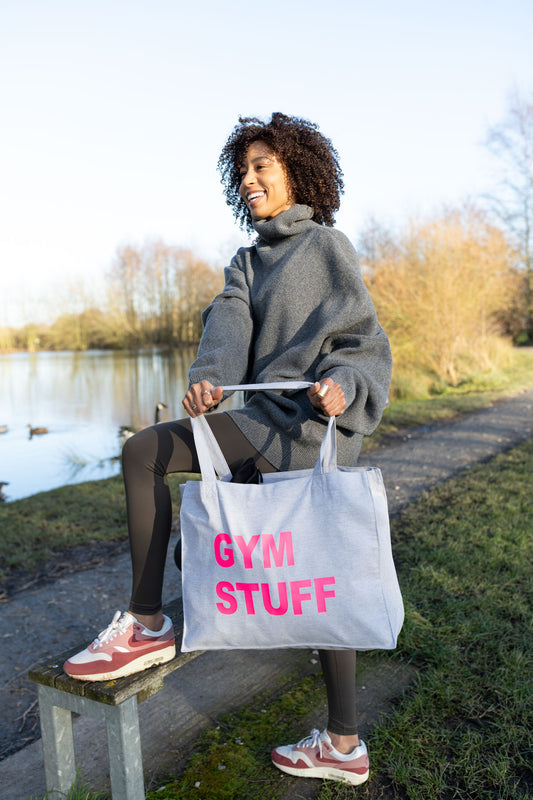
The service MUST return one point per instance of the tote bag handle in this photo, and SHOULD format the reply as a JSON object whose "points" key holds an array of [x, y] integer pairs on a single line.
{"points": [[211, 458]]}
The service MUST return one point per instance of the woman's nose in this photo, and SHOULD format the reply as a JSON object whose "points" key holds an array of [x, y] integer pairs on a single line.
{"points": [[247, 178]]}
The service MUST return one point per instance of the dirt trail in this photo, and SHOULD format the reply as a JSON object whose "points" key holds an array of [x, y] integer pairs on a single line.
{"points": [[45, 619]]}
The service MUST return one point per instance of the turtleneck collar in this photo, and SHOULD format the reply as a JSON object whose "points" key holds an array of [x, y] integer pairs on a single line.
{"points": [[288, 223]]}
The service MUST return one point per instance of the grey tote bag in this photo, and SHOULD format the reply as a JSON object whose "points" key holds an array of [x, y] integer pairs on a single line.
{"points": [[303, 559]]}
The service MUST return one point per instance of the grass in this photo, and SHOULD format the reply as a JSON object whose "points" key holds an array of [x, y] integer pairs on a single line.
{"points": [[231, 757], [33, 527], [479, 392], [78, 791], [464, 554], [36, 527]]}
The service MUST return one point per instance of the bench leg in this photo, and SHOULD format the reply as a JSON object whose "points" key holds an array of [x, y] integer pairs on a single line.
{"points": [[123, 742], [125, 755], [58, 743]]}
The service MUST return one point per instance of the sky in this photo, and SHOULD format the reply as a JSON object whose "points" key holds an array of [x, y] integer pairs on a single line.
{"points": [[114, 112]]}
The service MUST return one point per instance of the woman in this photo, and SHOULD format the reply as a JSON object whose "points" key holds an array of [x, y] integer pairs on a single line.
{"points": [[294, 307]]}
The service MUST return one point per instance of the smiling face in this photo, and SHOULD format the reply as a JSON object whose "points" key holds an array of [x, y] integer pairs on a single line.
{"points": [[264, 187]]}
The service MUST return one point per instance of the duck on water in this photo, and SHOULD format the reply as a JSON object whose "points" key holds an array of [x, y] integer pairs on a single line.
{"points": [[37, 431]]}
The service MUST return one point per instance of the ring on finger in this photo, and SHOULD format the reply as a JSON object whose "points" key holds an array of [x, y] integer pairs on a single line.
{"points": [[324, 389], [194, 406]]}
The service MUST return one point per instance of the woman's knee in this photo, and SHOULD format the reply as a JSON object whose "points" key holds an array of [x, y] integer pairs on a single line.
{"points": [[160, 449], [140, 450]]}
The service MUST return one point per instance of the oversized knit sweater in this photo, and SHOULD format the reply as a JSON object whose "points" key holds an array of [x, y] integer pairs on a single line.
{"points": [[294, 307]]}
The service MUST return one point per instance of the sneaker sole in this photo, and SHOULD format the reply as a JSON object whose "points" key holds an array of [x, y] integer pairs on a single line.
{"points": [[138, 665], [326, 773]]}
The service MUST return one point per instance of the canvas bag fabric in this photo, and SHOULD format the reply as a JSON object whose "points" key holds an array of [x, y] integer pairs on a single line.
{"points": [[303, 559]]}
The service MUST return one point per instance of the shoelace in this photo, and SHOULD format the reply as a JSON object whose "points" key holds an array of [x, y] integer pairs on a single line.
{"points": [[112, 630], [313, 740]]}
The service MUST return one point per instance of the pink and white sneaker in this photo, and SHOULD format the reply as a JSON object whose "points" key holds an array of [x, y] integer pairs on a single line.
{"points": [[123, 648], [315, 757]]}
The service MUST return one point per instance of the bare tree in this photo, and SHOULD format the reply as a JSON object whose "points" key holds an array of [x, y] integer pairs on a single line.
{"points": [[511, 142], [126, 275], [197, 283], [158, 292], [376, 242]]}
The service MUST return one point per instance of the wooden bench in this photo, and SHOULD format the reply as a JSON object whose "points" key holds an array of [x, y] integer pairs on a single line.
{"points": [[115, 702]]}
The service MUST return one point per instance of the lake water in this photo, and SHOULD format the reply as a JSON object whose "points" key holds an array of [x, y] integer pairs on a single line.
{"points": [[83, 399]]}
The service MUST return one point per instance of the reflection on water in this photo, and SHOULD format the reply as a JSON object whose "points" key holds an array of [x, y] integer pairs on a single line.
{"points": [[83, 399]]}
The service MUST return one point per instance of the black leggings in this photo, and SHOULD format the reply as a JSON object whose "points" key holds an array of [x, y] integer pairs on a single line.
{"points": [[147, 459]]}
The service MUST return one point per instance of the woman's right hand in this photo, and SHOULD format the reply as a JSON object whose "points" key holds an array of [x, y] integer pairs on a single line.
{"points": [[201, 397], [327, 397]]}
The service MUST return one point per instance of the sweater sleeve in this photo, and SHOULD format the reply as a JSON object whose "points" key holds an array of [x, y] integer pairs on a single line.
{"points": [[355, 350], [223, 353]]}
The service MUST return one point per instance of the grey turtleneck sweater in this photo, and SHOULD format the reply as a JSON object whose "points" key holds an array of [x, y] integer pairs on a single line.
{"points": [[294, 307]]}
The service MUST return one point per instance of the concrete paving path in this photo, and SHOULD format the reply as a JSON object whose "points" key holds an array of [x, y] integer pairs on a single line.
{"points": [[195, 695]]}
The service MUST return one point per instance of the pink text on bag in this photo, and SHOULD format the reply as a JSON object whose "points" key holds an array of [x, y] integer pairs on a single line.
{"points": [[289, 596], [297, 589], [225, 555]]}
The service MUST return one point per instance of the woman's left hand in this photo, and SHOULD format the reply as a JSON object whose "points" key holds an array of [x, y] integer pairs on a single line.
{"points": [[201, 397], [329, 401]]}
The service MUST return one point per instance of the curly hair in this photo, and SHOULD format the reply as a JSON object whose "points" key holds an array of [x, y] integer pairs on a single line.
{"points": [[310, 162]]}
